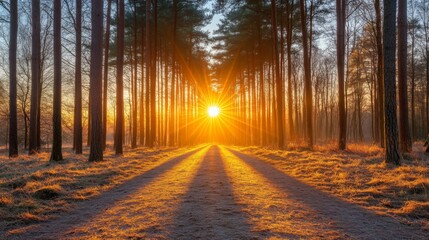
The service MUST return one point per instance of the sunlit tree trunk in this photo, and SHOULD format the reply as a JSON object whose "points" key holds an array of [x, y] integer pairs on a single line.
{"points": [[142, 88], [262, 87], [148, 76], [171, 137], [307, 77], [134, 84], [166, 95], [279, 84], [106, 71], [96, 70], [289, 28], [153, 124]]}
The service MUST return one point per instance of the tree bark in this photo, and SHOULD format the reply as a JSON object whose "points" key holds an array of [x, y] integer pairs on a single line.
{"points": [[289, 27], [119, 130], [13, 121], [106, 71], [153, 112], [134, 84], [380, 77], [171, 137], [389, 40], [279, 85], [96, 68], [35, 76], [57, 128], [341, 29], [148, 69], [404, 130], [307, 77], [78, 81]]}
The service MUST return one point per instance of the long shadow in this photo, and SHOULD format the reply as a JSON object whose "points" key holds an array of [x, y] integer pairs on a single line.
{"points": [[91, 208], [352, 220], [209, 210]]}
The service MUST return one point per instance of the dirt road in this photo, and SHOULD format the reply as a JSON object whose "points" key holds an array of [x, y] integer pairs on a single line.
{"points": [[218, 193]]}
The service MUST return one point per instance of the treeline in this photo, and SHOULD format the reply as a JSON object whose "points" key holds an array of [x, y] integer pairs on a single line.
{"points": [[282, 71], [152, 81], [319, 65]]}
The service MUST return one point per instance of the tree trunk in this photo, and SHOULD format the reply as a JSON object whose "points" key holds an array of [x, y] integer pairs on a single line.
{"points": [[142, 88], [279, 85], [289, 27], [96, 68], [134, 93], [57, 128], [13, 121], [171, 137], [341, 29], [35, 76], [119, 130], [78, 81], [404, 131], [106, 70], [307, 77], [153, 79], [148, 69], [380, 80], [389, 40]]}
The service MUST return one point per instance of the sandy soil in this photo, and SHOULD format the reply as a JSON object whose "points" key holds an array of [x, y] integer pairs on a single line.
{"points": [[218, 193]]}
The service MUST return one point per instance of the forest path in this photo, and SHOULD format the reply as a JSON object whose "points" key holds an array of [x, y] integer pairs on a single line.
{"points": [[219, 193]]}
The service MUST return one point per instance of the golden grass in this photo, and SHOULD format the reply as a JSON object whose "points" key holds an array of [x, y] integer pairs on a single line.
{"points": [[6, 200], [360, 175], [32, 189]]}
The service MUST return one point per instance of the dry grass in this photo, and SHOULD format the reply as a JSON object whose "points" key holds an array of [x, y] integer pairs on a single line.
{"points": [[32, 189], [360, 175]]}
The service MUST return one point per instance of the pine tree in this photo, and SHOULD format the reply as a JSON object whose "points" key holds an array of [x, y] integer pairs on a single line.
{"points": [[56, 154], [13, 121], [96, 70]]}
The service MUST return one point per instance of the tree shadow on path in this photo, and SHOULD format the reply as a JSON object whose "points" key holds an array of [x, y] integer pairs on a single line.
{"points": [[352, 220], [209, 210], [85, 211]]}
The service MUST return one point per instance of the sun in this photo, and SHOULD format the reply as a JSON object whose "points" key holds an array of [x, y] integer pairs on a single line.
{"points": [[213, 111]]}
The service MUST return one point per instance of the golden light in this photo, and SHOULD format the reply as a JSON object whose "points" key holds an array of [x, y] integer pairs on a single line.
{"points": [[213, 111]]}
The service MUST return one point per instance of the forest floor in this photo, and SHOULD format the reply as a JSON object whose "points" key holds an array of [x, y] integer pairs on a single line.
{"points": [[217, 192]]}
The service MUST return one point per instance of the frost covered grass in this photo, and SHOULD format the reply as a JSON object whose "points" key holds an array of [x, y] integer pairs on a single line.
{"points": [[32, 189], [360, 176]]}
